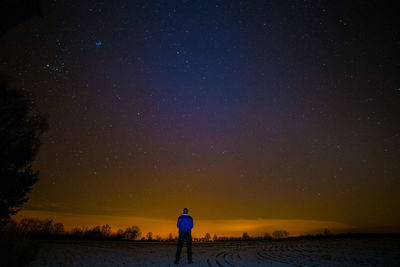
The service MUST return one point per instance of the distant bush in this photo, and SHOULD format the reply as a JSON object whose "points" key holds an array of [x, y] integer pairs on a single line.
{"points": [[106, 231], [78, 232], [58, 228], [267, 236], [280, 234], [326, 232], [149, 236], [40, 227], [207, 237], [132, 233], [119, 234], [245, 236], [94, 233], [170, 237]]}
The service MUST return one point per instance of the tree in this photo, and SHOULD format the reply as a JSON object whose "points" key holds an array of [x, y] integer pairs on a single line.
{"points": [[36, 226], [48, 226], [20, 130], [132, 232], [279, 234], [245, 236], [58, 228], [30, 225], [94, 232], [267, 236], [327, 232], [149, 236], [106, 230], [207, 237], [215, 238], [119, 234], [77, 232]]}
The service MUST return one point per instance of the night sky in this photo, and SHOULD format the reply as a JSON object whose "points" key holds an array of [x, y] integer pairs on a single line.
{"points": [[238, 110]]}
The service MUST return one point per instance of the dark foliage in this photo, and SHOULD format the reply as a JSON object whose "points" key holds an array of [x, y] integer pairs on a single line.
{"points": [[245, 236], [149, 236], [280, 234], [17, 248], [132, 233], [40, 227], [20, 130]]}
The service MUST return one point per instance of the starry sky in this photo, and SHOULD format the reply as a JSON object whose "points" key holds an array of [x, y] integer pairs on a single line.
{"points": [[238, 110]]}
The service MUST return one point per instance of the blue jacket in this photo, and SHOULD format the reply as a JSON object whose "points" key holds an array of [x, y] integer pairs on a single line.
{"points": [[185, 223]]}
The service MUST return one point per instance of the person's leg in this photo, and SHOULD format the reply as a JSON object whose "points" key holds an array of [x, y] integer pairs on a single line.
{"points": [[179, 248], [189, 246]]}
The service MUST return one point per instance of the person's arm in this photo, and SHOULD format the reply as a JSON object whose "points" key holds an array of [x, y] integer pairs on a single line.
{"points": [[191, 222], [177, 224]]}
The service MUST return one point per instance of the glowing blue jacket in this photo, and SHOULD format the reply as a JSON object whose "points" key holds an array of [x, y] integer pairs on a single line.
{"points": [[185, 223]]}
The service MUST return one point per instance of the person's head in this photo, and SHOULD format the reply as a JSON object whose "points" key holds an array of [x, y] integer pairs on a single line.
{"points": [[185, 211]]}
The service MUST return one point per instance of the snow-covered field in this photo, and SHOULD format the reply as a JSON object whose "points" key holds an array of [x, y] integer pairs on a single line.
{"points": [[376, 251]]}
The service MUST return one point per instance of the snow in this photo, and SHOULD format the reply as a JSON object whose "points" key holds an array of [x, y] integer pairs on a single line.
{"points": [[312, 252]]}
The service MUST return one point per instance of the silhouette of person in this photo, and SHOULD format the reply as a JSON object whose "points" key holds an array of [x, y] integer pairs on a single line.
{"points": [[185, 225]]}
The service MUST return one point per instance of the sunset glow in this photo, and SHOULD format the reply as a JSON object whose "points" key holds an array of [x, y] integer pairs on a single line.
{"points": [[162, 227]]}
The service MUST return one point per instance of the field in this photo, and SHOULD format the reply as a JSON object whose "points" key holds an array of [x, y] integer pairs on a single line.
{"points": [[354, 251]]}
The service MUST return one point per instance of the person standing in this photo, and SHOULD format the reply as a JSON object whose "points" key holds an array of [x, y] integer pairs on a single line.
{"points": [[185, 225]]}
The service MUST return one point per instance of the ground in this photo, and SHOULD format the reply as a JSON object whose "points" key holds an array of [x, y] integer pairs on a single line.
{"points": [[376, 251]]}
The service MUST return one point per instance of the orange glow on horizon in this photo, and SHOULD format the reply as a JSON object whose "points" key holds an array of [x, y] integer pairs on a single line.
{"points": [[162, 227]]}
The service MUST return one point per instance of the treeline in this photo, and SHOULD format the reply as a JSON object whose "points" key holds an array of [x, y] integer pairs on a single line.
{"points": [[48, 229], [279, 234]]}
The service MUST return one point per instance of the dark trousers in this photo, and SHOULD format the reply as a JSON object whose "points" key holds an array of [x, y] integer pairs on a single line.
{"points": [[184, 236]]}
